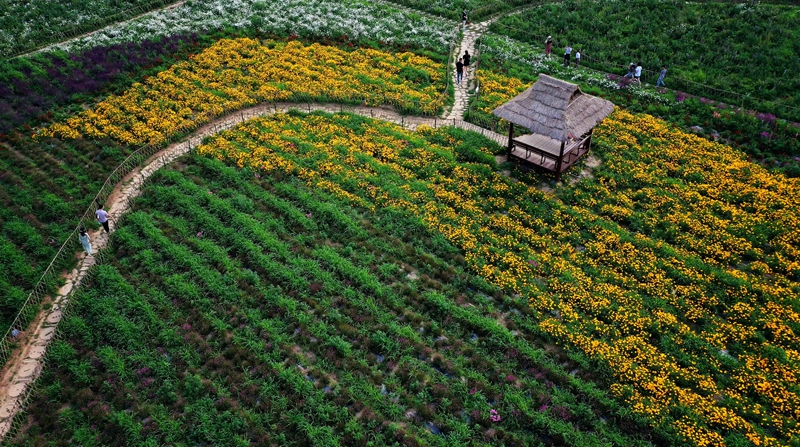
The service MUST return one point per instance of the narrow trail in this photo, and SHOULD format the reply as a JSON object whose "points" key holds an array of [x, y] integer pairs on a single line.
{"points": [[25, 365], [466, 89]]}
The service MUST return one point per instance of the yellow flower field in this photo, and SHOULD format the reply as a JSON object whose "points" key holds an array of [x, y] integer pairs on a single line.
{"points": [[237, 73], [676, 267]]}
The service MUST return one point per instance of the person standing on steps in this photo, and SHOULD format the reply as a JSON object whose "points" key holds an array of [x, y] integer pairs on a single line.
{"points": [[102, 217], [577, 58], [660, 82], [637, 74], [459, 71], [567, 52], [548, 46], [466, 58], [464, 18], [85, 241]]}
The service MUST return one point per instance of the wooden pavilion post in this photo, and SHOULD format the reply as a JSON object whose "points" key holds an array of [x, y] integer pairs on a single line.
{"points": [[510, 140], [558, 163]]}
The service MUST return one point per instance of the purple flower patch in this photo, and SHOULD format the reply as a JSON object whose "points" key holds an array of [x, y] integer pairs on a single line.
{"points": [[766, 117]]}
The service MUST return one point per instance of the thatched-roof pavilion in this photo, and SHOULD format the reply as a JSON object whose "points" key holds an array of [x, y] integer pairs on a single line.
{"points": [[561, 119]]}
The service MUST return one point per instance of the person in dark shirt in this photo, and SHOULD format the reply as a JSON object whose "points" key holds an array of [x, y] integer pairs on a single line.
{"points": [[459, 71]]}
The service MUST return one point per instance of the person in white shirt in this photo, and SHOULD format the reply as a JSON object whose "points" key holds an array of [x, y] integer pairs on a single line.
{"points": [[578, 57], [102, 218], [637, 74]]}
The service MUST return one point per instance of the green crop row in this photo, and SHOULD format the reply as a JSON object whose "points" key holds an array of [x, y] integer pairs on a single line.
{"points": [[254, 310], [44, 189]]}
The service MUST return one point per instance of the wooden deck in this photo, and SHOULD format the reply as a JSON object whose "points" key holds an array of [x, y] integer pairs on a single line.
{"points": [[539, 151]]}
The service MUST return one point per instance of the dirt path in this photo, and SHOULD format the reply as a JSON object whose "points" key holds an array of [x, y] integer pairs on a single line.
{"points": [[25, 365], [466, 89]]}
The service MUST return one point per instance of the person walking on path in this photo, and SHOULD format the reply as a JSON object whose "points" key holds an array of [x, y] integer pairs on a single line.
{"points": [[631, 69], [466, 58], [660, 82], [102, 218], [577, 58], [548, 46], [464, 17], [459, 71], [85, 241], [567, 52], [637, 74]]}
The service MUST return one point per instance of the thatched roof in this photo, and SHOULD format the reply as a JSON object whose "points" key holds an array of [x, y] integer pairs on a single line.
{"points": [[555, 108]]}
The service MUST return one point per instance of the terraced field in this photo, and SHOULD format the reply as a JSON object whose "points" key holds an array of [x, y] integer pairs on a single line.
{"points": [[248, 308], [333, 279]]}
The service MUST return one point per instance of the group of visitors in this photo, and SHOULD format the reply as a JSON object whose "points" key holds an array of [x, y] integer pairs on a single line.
{"points": [[634, 70], [548, 49], [102, 218], [461, 66], [635, 74]]}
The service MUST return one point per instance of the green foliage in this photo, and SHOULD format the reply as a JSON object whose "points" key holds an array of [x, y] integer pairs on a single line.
{"points": [[30, 23], [729, 46]]}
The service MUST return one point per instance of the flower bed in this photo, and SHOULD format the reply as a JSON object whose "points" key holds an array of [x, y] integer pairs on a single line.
{"points": [[357, 19], [246, 308], [675, 268], [34, 89], [233, 74]]}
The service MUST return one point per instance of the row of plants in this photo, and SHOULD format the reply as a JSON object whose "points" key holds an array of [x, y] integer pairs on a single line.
{"points": [[359, 20], [37, 89], [676, 271], [507, 67], [31, 23], [477, 10], [45, 186], [747, 48], [236, 73], [244, 307]]}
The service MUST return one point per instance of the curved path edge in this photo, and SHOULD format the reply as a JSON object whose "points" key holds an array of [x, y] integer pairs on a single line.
{"points": [[18, 376]]}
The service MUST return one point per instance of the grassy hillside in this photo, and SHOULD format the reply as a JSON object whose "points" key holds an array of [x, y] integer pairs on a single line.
{"points": [[247, 308], [667, 275], [49, 182], [738, 47]]}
